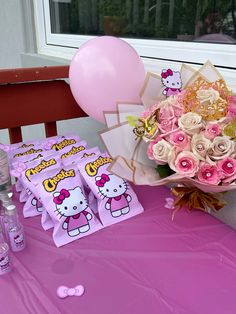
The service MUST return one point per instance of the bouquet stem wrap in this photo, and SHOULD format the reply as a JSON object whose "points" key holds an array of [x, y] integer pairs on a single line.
{"points": [[193, 198]]}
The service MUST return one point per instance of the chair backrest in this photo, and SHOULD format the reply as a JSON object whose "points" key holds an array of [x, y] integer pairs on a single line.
{"points": [[35, 95]]}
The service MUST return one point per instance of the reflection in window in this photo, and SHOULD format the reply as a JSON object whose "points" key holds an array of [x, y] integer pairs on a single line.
{"points": [[198, 20]]}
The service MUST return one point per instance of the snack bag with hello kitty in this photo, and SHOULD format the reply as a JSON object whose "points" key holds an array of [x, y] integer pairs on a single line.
{"points": [[60, 142], [33, 206], [26, 151], [20, 156], [68, 153], [19, 151], [19, 165], [116, 198], [69, 159], [62, 195]]}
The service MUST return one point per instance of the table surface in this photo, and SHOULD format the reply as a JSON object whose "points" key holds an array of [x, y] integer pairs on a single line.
{"points": [[145, 265]]}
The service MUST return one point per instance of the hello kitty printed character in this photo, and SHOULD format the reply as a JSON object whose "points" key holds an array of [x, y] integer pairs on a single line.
{"points": [[39, 206], [172, 82], [4, 263], [19, 240], [72, 204], [114, 188]]}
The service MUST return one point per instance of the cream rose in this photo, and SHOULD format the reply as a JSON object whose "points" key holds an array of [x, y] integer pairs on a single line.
{"points": [[221, 147], [208, 95], [161, 152], [190, 122], [200, 145]]}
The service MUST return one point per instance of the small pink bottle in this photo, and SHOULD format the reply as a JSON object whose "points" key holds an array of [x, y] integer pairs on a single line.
{"points": [[5, 202], [15, 230], [5, 263]]}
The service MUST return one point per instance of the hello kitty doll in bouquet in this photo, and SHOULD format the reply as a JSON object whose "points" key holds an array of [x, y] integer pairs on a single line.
{"points": [[172, 82], [114, 189], [72, 204]]}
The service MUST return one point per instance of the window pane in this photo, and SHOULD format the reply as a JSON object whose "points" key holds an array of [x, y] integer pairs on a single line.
{"points": [[190, 20]]}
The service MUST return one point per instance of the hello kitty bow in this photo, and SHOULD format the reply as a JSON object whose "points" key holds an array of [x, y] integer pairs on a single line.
{"points": [[101, 182], [165, 74], [63, 291], [60, 198]]}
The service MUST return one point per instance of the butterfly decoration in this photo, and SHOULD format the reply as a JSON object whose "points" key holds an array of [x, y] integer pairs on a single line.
{"points": [[146, 128]]}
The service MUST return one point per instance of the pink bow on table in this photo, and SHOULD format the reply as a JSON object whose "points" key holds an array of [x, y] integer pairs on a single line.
{"points": [[104, 178], [63, 291], [166, 73]]}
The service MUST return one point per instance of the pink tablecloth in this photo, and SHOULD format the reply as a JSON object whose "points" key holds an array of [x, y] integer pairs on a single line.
{"points": [[145, 265]]}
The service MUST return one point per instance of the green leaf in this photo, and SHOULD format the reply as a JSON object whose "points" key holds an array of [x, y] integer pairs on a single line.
{"points": [[164, 171], [132, 120]]}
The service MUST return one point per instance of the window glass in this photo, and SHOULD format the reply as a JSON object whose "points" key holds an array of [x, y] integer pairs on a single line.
{"points": [[188, 20]]}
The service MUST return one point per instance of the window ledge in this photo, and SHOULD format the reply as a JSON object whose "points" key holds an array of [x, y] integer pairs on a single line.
{"points": [[151, 65]]}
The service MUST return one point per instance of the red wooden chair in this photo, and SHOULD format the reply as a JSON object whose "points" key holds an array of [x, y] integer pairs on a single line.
{"points": [[35, 95]]}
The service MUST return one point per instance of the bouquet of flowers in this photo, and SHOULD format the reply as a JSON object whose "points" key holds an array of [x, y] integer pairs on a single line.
{"points": [[183, 135], [193, 133]]}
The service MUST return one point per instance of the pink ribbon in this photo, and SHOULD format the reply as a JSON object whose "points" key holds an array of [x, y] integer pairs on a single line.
{"points": [[104, 178], [167, 73], [60, 198], [63, 291]]}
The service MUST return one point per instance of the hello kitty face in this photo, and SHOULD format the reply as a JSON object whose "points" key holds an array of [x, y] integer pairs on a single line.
{"points": [[111, 186], [4, 261], [70, 202], [171, 79]]}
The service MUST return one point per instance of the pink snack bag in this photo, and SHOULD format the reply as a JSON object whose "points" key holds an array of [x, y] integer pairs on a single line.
{"points": [[62, 195], [60, 143], [20, 164], [116, 198], [26, 151], [23, 152], [19, 145], [66, 147], [33, 206], [68, 158]]}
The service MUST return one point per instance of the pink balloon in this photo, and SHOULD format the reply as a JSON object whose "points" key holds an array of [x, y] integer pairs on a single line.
{"points": [[105, 70]]}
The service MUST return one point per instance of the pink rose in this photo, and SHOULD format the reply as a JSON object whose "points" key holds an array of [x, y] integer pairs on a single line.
{"points": [[208, 174], [179, 139], [166, 113], [232, 107], [168, 125], [184, 163], [227, 167], [212, 130]]}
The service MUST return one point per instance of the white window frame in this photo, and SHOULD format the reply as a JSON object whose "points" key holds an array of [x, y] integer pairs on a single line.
{"points": [[64, 46]]}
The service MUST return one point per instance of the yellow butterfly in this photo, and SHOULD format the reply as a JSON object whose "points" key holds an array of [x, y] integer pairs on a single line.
{"points": [[146, 127]]}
